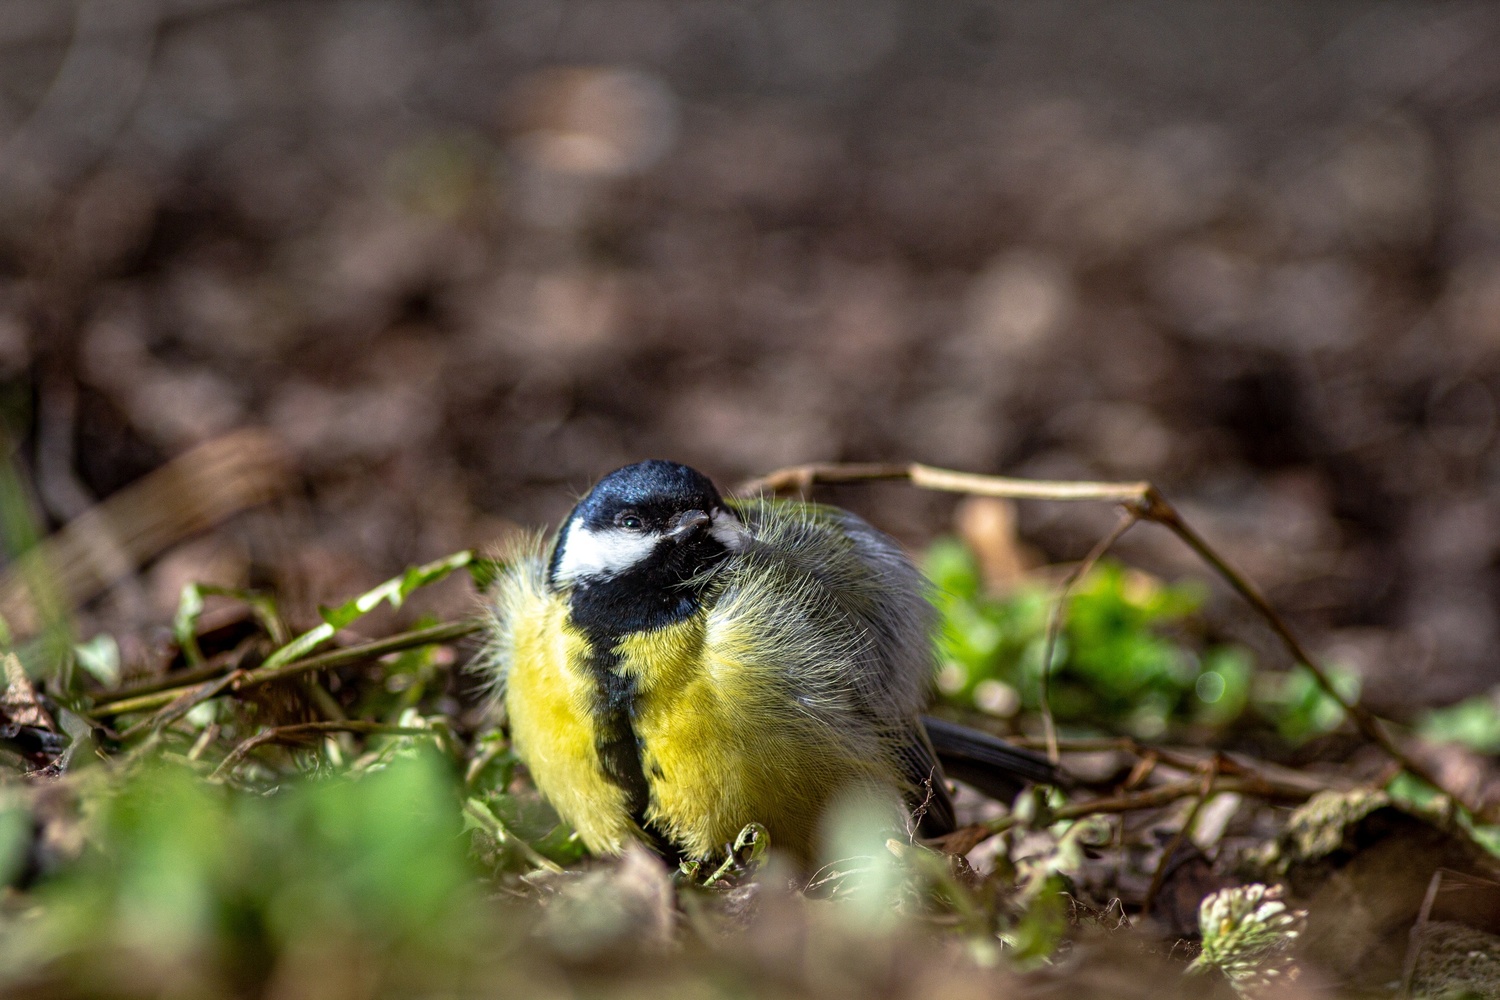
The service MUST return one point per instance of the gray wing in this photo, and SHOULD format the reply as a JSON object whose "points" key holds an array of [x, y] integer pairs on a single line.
{"points": [[902, 622], [863, 590], [890, 602], [863, 587]]}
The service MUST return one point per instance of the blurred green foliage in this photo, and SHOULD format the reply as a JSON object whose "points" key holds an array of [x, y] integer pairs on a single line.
{"points": [[365, 885], [1130, 655], [1473, 722], [1293, 702], [199, 890]]}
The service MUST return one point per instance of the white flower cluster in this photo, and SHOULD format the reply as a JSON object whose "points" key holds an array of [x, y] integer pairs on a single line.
{"points": [[1248, 933]]}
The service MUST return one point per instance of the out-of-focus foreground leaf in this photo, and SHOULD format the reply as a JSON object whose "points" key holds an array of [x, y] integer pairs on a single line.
{"points": [[188, 889]]}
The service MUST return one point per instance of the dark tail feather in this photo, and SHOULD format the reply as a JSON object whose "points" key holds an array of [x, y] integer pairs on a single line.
{"points": [[987, 762]]}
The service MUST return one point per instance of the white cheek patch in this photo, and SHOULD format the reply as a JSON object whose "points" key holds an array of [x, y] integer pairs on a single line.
{"points": [[729, 532], [606, 552]]}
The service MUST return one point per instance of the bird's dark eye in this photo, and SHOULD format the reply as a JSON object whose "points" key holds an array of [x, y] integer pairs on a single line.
{"points": [[631, 523]]}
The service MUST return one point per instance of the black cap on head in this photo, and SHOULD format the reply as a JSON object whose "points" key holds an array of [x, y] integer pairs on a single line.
{"points": [[654, 490], [636, 550]]}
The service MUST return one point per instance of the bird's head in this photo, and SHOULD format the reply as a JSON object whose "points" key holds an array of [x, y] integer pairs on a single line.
{"points": [[654, 523]]}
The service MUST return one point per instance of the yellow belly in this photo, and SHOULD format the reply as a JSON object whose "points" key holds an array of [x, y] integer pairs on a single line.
{"points": [[549, 704], [723, 744]]}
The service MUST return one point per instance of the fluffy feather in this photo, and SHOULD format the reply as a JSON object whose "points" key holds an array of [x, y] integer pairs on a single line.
{"points": [[798, 679]]}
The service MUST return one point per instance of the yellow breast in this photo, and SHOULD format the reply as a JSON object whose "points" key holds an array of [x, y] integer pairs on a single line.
{"points": [[724, 745], [549, 701], [722, 741]]}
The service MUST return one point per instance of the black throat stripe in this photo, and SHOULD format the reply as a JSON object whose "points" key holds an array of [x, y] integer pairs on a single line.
{"points": [[605, 616], [615, 739]]}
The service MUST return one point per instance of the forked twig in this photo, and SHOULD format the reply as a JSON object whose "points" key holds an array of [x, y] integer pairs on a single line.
{"points": [[803, 477], [1146, 503], [189, 699]]}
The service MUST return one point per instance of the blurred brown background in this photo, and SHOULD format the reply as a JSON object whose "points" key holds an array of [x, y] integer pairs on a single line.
{"points": [[463, 256]]}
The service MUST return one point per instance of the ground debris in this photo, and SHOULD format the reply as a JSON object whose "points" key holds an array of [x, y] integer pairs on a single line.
{"points": [[1361, 865], [1454, 959]]}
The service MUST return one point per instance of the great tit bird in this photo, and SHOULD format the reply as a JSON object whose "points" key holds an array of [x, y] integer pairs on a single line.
{"points": [[675, 666]]}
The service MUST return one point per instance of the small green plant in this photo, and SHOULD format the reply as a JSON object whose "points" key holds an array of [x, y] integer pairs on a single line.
{"points": [[1293, 702], [1130, 656], [1473, 723], [364, 844], [1126, 656]]}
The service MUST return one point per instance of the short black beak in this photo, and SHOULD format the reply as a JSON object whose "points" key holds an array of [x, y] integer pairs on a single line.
{"points": [[683, 526]]}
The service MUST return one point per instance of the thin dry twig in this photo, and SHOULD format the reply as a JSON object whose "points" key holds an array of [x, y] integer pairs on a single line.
{"points": [[1414, 939], [1151, 798], [1057, 614], [1364, 720], [181, 705], [1188, 760], [215, 666], [965, 839], [301, 730], [1143, 769], [204, 741], [1148, 504], [1158, 877], [804, 477], [435, 635]]}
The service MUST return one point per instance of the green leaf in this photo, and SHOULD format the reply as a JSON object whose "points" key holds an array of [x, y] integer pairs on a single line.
{"points": [[1298, 705], [1128, 657], [394, 591], [1039, 931], [185, 622], [190, 610], [1487, 837], [493, 766], [301, 646], [100, 656], [952, 567], [525, 829]]}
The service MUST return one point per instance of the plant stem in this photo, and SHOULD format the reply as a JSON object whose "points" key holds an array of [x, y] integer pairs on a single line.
{"points": [[436, 634]]}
